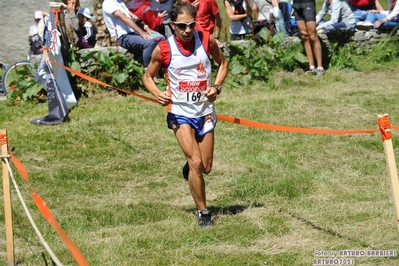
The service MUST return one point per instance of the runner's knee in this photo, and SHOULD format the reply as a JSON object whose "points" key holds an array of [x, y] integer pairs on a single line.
{"points": [[207, 167]]}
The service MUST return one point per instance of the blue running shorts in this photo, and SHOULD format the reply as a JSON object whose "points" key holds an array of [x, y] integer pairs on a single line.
{"points": [[202, 125]]}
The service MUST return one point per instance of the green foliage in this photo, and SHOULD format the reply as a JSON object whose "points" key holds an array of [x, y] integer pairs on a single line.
{"points": [[258, 61], [344, 57], [113, 68], [25, 88], [260, 58], [290, 55], [385, 50]]}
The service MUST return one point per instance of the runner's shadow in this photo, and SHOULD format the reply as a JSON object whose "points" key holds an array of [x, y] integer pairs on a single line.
{"points": [[229, 210]]}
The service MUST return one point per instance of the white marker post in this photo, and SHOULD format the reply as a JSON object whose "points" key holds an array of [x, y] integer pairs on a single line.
{"points": [[7, 198], [385, 129]]}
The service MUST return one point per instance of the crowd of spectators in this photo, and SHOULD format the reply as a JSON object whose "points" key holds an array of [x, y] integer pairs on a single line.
{"points": [[138, 25]]}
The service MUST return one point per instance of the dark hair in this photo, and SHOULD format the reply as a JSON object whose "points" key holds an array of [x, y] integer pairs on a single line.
{"points": [[181, 8]]}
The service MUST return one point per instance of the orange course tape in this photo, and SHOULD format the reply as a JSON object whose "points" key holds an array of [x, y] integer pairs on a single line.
{"points": [[42, 206], [3, 139], [228, 118], [384, 125], [395, 127], [84, 76], [292, 129]]}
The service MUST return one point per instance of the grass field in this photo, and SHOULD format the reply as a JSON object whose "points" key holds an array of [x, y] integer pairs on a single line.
{"points": [[112, 177]]}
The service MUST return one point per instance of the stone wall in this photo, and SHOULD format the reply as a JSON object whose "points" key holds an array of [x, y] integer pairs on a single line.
{"points": [[361, 38], [103, 37], [16, 16]]}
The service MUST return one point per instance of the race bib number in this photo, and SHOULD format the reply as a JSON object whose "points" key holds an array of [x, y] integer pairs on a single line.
{"points": [[192, 91]]}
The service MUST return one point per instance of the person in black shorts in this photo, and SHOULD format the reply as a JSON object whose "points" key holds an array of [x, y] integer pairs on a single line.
{"points": [[305, 16]]}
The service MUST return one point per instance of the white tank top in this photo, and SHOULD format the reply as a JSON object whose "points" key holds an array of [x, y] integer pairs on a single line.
{"points": [[189, 76], [238, 26]]}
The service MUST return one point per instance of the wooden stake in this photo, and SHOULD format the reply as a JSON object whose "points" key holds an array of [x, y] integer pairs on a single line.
{"points": [[7, 202], [383, 122]]}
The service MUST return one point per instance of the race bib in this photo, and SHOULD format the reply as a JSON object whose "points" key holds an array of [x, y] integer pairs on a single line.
{"points": [[192, 91]]}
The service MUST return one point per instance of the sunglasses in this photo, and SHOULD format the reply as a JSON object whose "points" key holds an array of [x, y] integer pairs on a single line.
{"points": [[183, 26]]}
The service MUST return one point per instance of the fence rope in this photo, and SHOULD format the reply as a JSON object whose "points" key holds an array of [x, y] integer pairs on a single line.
{"points": [[46, 212], [37, 231]]}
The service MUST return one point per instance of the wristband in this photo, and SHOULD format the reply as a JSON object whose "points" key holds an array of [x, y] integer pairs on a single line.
{"points": [[218, 88]]}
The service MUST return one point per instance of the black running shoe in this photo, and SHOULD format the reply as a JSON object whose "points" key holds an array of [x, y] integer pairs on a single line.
{"points": [[186, 170], [204, 218]]}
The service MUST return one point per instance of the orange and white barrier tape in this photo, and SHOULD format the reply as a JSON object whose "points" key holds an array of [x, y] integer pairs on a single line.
{"points": [[39, 234], [45, 211]]}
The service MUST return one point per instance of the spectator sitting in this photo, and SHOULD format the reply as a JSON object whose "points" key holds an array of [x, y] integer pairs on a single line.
{"points": [[382, 19], [35, 41], [361, 8], [264, 9], [142, 9], [161, 6], [239, 14], [87, 31], [341, 17], [272, 12], [129, 35], [71, 20]]}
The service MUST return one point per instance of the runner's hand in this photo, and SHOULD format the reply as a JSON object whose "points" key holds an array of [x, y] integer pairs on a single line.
{"points": [[164, 98], [211, 94]]}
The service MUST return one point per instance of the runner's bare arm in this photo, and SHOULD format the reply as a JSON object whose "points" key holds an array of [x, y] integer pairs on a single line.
{"points": [[217, 55], [155, 65]]}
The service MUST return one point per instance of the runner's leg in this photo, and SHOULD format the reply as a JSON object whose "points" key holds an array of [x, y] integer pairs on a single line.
{"points": [[185, 135]]}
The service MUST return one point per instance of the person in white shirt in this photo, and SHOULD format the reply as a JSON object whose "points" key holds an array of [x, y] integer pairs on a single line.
{"points": [[341, 17], [34, 28], [239, 14], [35, 38], [382, 19], [123, 29]]}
